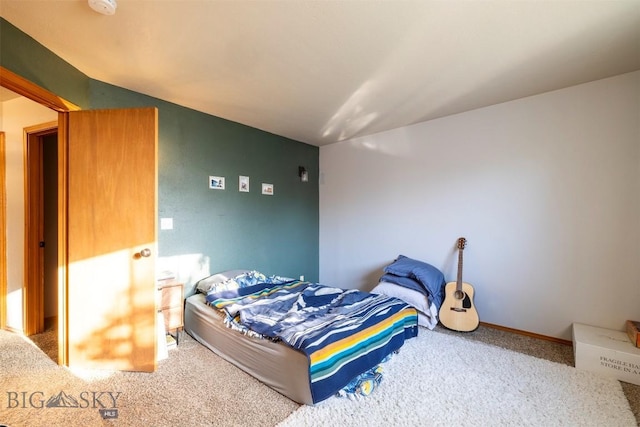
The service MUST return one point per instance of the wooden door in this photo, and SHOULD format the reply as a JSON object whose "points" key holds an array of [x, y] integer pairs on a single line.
{"points": [[111, 239]]}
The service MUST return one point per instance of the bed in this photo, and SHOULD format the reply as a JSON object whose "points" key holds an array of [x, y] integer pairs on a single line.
{"points": [[305, 360]]}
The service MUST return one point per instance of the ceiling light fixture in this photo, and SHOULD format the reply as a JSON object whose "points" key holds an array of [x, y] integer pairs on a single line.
{"points": [[105, 7]]}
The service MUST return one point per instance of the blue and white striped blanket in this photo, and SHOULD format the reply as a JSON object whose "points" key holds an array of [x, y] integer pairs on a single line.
{"points": [[343, 332]]}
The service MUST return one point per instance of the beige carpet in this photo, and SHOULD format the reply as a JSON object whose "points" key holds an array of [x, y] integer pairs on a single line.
{"points": [[193, 387]]}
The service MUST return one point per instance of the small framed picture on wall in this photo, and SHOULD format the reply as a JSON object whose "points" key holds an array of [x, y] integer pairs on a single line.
{"points": [[243, 184], [216, 182], [267, 189]]}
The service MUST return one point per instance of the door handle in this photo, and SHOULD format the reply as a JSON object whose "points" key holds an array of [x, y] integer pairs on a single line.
{"points": [[146, 252]]}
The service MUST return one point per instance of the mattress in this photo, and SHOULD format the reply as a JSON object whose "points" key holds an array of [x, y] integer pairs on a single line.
{"points": [[277, 365]]}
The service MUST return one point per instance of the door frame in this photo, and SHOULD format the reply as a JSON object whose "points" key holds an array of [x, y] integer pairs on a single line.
{"points": [[33, 290], [24, 87]]}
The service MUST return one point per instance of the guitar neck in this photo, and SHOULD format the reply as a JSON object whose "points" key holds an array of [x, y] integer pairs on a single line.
{"points": [[459, 279]]}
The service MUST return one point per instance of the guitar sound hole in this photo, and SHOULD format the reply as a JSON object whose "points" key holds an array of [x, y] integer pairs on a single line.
{"points": [[459, 295]]}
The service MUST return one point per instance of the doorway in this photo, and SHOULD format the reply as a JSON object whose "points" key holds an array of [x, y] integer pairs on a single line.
{"points": [[110, 323], [41, 237], [21, 86]]}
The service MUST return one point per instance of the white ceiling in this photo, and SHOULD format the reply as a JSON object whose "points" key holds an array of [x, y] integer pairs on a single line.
{"points": [[325, 71]]}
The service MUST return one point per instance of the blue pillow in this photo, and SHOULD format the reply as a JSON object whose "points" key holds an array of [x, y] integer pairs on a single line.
{"points": [[403, 266], [429, 276]]}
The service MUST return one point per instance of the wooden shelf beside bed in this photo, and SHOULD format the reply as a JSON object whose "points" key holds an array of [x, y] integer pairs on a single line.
{"points": [[172, 307]]}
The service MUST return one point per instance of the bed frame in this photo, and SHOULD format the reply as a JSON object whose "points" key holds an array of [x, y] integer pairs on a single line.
{"points": [[277, 365]]}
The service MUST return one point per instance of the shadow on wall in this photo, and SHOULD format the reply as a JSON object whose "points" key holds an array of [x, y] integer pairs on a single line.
{"points": [[373, 277]]}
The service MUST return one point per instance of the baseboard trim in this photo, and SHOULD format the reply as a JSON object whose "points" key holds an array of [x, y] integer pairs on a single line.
{"points": [[526, 333]]}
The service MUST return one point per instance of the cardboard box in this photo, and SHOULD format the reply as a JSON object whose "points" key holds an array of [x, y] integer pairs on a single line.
{"points": [[606, 352], [632, 331]]}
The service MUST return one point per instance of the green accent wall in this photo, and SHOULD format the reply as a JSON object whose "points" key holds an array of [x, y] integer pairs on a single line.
{"points": [[225, 229], [26, 57]]}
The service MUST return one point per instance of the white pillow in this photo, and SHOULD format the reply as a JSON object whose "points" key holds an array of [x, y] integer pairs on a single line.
{"points": [[215, 280], [414, 298], [427, 313]]}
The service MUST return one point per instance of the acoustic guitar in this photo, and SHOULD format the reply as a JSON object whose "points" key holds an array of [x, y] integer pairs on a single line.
{"points": [[458, 312]]}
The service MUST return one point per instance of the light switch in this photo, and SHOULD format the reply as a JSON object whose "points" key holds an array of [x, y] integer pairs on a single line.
{"points": [[166, 223]]}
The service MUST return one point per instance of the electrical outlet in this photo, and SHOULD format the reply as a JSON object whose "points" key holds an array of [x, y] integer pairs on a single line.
{"points": [[301, 278]]}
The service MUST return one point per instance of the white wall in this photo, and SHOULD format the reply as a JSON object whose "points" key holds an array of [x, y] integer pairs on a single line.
{"points": [[16, 115], [546, 190]]}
